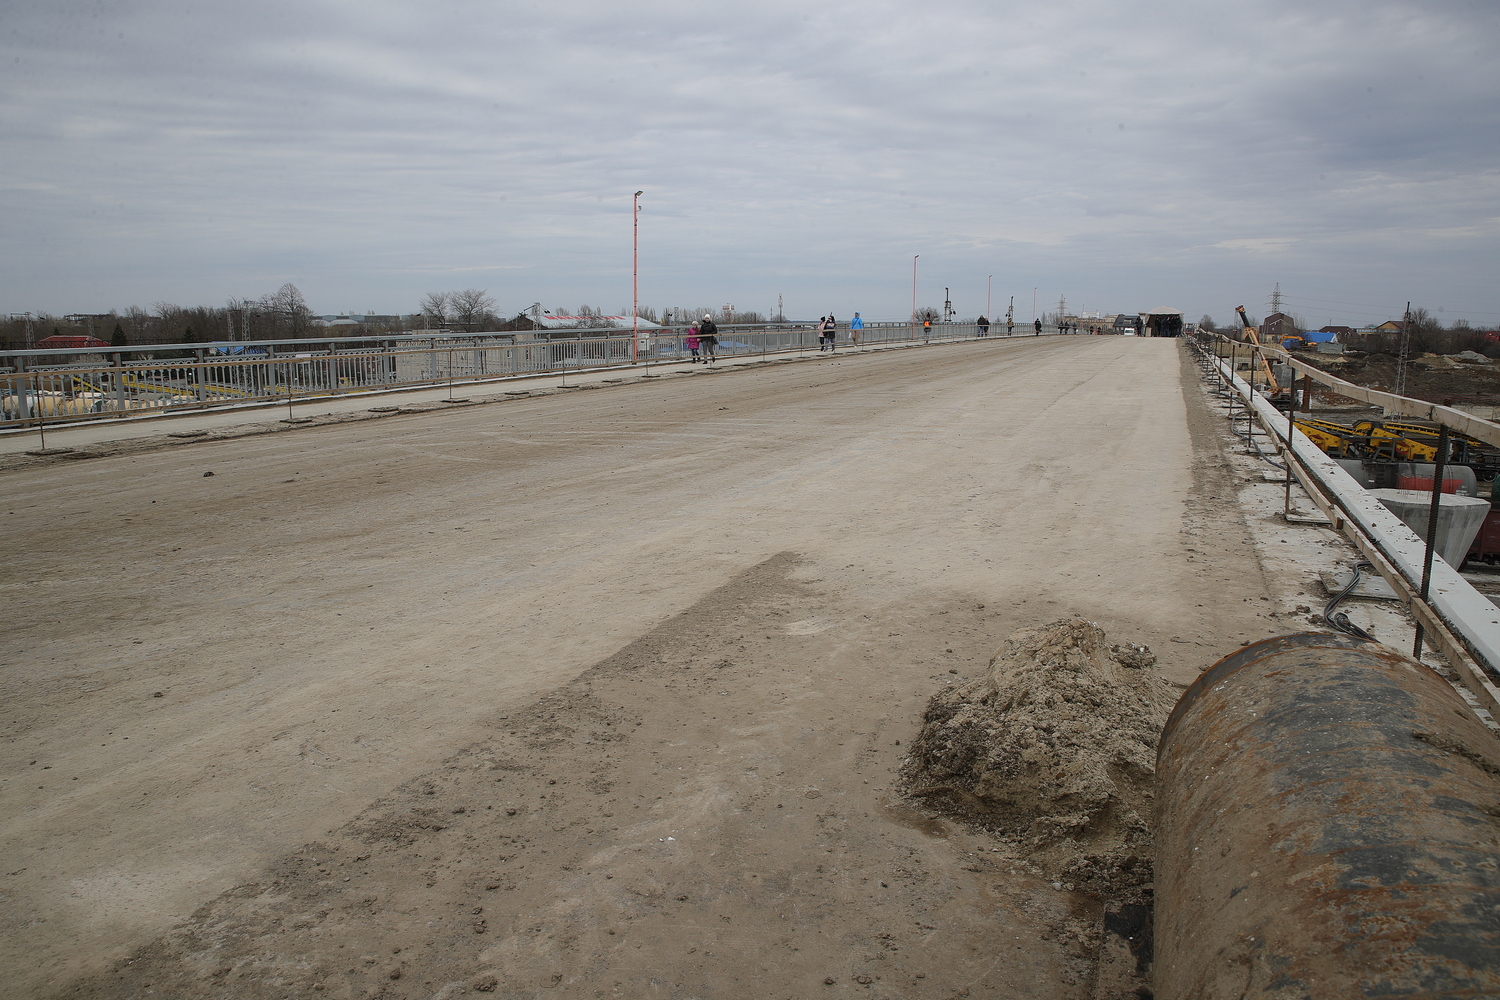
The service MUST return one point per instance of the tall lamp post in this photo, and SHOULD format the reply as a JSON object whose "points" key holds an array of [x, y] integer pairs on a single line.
{"points": [[635, 278], [988, 282], [911, 330]]}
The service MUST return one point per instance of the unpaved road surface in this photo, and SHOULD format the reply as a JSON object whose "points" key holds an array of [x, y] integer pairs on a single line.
{"points": [[597, 693]]}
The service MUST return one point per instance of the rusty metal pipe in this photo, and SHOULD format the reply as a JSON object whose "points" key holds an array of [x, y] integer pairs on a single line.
{"points": [[1328, 826]]}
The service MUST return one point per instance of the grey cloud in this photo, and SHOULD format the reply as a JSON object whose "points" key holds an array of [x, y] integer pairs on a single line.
{"points": [[355, 148]]}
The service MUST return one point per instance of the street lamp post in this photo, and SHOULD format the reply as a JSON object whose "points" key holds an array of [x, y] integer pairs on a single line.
{"points": [[635, 278], [911, 330], [988, 282]]}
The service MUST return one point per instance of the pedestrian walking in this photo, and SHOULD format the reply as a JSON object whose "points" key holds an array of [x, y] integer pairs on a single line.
{"points": [[926, 330], [856, 327], [984, 327], [1010, 327], [827, 329], [692, 342], [1038, 324], [708, 339]]}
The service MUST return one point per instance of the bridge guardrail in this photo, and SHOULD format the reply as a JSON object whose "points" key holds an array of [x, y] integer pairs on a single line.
{"points": [[69, 385]]}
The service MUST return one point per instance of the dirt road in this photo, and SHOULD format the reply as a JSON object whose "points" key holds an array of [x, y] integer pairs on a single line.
{"points": [[597, 693]]}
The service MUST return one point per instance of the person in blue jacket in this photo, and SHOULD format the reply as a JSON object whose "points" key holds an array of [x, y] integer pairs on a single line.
{"points": [[856, 325]]}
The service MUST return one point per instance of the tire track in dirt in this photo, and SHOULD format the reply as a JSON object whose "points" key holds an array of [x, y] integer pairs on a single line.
{"points": [[693, 816]]}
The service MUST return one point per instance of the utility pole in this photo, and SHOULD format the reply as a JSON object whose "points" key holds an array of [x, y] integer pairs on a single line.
{"points": [[947, 307], [911, 330], [635, 273], [988, 282], [1062, 308]]}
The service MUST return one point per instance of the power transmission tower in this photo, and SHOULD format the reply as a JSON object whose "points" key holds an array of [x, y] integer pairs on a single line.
{"points": [[1062, 308], [1276, 299]]}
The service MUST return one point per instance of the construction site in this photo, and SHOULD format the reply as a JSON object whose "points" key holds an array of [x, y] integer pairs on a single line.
{"points": [[1053, 667]]}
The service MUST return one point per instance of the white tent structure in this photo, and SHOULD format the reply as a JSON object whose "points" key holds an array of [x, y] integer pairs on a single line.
{"points": [[1164, 322]]}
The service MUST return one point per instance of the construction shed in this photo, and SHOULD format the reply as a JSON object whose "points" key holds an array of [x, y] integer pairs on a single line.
{"points": [[1162, 323]]}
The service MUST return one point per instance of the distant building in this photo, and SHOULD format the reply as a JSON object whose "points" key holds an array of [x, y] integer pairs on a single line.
{"points": [[1276, 326], [385, 322], [1389, 326], [63, 343], [551, 321]]}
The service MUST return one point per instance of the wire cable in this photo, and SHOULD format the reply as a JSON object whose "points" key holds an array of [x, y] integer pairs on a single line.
{"points": [[1336, 619]]}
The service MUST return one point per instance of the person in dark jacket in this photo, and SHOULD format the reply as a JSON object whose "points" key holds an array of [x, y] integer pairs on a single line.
{"points": [[984, 327], [1038, 324], [708, 339]]}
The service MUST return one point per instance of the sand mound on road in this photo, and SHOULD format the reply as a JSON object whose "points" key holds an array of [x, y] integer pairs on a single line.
{"points": [[1054, 749]]}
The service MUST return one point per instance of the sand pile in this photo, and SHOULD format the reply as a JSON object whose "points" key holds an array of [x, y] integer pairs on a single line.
{"points": [[1054, 749]]}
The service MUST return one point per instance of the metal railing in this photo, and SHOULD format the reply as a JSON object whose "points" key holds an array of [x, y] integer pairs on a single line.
{"points": [[70, 385], [1459, 621]]}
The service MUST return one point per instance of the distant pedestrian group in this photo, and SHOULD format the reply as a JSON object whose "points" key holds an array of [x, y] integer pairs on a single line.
{"points": [[827, 332]]}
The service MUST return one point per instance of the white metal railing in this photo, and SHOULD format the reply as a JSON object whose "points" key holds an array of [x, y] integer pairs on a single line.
{"points": [[62, 386]]}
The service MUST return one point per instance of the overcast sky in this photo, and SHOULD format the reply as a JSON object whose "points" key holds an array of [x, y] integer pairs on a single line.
{"points": [[1127, 155]]}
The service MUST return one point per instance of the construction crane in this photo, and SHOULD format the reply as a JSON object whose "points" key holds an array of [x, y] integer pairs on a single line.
{"points": [[1252, 334]]}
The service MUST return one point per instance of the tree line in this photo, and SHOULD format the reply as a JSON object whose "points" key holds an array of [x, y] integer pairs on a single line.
{"points": [[279, 315], [284, 315]]}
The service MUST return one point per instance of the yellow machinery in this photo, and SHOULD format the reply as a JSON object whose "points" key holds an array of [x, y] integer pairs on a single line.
{"points": [[1378, 442], [1336, 440], [1406, 441]]}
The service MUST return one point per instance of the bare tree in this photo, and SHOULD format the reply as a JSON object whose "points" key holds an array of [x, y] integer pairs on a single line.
{"points": [[435, 308], [1427, 335], [287, 310], [169, 322], [472, 308], [1207, 323]]}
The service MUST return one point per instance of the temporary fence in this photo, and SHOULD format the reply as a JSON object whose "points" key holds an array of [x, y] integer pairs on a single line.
{"points": [[68, 385]]}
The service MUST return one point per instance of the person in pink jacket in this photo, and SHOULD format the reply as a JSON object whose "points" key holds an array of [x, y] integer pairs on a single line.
{"points": [[692, 342]]}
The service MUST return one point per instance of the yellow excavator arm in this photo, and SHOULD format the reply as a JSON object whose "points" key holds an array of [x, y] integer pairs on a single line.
{"points": [[1253, 335]]}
